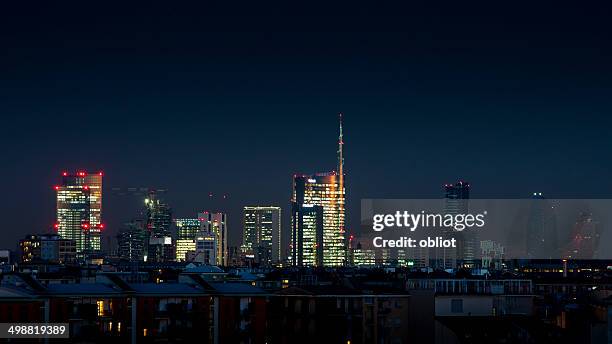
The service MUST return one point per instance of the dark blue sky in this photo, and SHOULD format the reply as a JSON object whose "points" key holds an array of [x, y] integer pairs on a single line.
{"points": [[235, 100]]}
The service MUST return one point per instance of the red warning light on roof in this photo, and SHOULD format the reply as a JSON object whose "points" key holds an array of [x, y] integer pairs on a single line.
{"points": [[85, 187], [56, 225], [101, 226], [85, 225], [64, 173], [56, 187], [100, 173]]}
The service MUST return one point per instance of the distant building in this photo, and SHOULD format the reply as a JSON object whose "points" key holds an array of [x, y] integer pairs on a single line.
{"points": [[184, 247], [364, 257], [205, 250], [236, 258], [262, 234], [417, 257], [325, 190], [492, 254], [132, 241], [216, 224], [186, 232], [47, 248], [541, 239], [584, 237], [306, 235], [187, 228], [5, 257], [79, 210], [465, 254], [158, 222]]}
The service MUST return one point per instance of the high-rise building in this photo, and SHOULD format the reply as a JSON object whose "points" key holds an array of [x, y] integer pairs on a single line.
{"points": [[584, 238], [186, 232], [159, 216], [132, 241], [467, 251], [79, 210], [326, 190], [216, 224], [205, 249], [541, 239], [47, 248], [187, 228], [235, 256], [492, 254], [307, 227], [456, 196], [158, 222], [363, 258], [183, 248], [262, 234]]}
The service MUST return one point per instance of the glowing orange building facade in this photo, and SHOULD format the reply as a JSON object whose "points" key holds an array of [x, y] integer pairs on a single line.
{"points": [[326, 190]]}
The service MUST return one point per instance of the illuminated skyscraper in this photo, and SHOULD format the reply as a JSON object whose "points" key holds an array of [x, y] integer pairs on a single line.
{"points": [[326, 190], [364, 257], [132, 241], [186, 232], [216, 224], [159, 220], [159, 216], [541, 239], [306, 235], [205, 251], [187, 228], [262, 233], [79, 210], [467, 251]]}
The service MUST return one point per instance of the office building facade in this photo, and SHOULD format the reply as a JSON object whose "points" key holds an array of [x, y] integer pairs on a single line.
{"points": [[132, 241], [160, 246], [307, 229], [216, 224], [322, 190], [325, 190], [466, 254], [79, 210], [262, 234], [186, 232], [47, 248]]}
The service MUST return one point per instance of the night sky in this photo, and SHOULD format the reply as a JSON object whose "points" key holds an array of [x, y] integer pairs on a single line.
{"points": [[235, 100]]}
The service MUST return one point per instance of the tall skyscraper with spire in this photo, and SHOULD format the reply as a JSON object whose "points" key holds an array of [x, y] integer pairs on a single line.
{"points": [[316, 242]]}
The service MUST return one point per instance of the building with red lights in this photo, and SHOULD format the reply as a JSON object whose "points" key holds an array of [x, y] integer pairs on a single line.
{"points": [[79, 210], [215, 224]]}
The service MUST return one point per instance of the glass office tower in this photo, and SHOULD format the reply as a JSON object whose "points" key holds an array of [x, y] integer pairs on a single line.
{"points": [[326, 190], [79, 210], [262, 234], [216, 225], [186, 232]]}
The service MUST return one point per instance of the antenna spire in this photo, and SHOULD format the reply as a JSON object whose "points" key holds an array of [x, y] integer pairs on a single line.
{"points": [[340, 148]]}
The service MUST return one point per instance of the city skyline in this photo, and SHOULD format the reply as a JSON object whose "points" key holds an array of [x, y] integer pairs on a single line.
{"points": [[236, 229], [197, 104], [410, 172]]}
